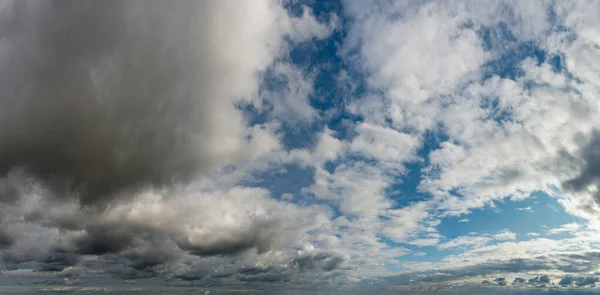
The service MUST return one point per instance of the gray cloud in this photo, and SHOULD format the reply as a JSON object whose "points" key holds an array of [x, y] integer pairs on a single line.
{"points": [[107, 238], [578, 281], [501, 281], [157, 245], [103, 102], [53, 260], [100, 99], [568, 263], [519, 281], [58, 260], [300, 267], [5, 239], [257, 235], [319, 261], [588, 158], [539, 281]]}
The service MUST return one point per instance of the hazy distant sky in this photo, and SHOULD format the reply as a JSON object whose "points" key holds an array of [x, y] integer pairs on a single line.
{"points": [[350, 147]]}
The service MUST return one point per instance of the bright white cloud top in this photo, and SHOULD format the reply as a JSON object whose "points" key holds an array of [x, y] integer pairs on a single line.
{"points": [[301, 144]]}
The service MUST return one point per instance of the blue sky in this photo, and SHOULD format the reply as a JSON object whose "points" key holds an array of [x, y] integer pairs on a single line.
{"points": [[345, 146]]}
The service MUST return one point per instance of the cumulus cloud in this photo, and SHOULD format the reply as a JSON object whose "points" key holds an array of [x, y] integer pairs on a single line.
{"points": [[565, 228], [105, 105], [578, 281], [473, 85]]}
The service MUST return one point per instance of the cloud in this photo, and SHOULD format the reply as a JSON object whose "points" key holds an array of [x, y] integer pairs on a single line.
{"points": [[475, 240], [441, 67], [515, 266], [565, 228], [525, 209], [141, 140], [5, 239], [155, 236], [589, 175], [501, 281], [311, 261], [384, 144], [578, 281], [505, 235], [539, 281], [518, 281], [146, 98], [117, 122]]}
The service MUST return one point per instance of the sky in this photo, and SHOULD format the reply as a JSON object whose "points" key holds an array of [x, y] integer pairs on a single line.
{"points": [[299, 147]]}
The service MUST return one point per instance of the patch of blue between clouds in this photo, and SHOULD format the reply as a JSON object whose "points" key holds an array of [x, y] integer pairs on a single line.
{"points": [[320, 57], [546, 213], [406, 190], [510, 52]]}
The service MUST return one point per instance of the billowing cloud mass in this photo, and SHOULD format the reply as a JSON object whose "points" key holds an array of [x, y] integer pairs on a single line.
{"points": [[110, 109], [102, 99], [272, 144]]}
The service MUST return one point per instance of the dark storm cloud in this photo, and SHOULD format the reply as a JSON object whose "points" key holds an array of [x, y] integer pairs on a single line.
{"points": [[55, 260], [588, 158], [100, 97], [140, 247], [102, 100], [107, 238], [58, 260], [5, 239]]}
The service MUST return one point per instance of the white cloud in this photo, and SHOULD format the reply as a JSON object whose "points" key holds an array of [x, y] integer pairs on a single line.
{"points": [[424, 242], [565, 228], [425, 53], [425, 61], [384, 144], [505, 235], [525, 209], [475, 240], [291, 103]]}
